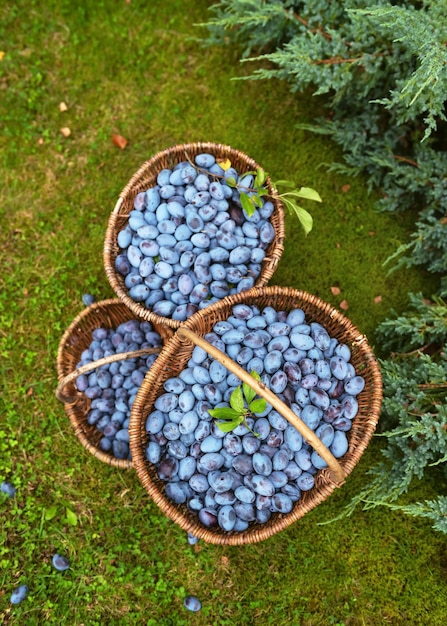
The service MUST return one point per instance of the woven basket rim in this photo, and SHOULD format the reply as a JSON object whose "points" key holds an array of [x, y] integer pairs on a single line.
{"points": [[364, 423], [144, 172], [77, 409]]}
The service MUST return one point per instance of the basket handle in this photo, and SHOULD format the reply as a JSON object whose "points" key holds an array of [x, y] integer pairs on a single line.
{"points": [[337, 472], [94, 365]]}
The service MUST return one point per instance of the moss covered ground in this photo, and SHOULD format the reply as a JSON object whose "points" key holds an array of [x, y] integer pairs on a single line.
{"points": [[133, 68]]}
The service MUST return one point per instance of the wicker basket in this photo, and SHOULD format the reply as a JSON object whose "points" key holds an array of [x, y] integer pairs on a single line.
{"points": [[144, 178], [77, 337], [174, 358]]}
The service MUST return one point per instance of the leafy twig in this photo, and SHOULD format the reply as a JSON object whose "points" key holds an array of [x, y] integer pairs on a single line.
{"points": [[251, 190], [306, 193], [242, 404], [251, 196]]}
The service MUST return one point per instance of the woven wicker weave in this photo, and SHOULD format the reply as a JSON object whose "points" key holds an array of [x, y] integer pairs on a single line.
{"points": [[77, 337], [146, 177], [173, 359]]}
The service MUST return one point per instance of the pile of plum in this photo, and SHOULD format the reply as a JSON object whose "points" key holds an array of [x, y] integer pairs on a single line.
{"points": [[260, 468], [112, 388], [188, 242]]}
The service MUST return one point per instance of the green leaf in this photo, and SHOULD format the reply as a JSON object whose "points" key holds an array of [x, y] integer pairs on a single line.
{"points": [[72, 518], [258, 406], [309, 194], [50, 513], [249, 393], [224, 413], [296, 194], [231, 181], [262, 191], [249, 173], [257, 200], [247, 204], [260, 177], [304, 217], [226, 427], [284, 183], [237, 400]]}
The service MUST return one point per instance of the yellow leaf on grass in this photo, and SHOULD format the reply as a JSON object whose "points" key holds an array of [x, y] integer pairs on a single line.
{"points": [[66, 131], [63, 107], [335, 291], [344, 305], [2, 55]]}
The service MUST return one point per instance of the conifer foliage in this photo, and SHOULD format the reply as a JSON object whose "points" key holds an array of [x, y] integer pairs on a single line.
{"points": [[382, 67]]}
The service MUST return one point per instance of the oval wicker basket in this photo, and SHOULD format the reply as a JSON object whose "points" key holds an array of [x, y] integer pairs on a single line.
{"points": [[174, 358], [78, 336], [146, 177]]}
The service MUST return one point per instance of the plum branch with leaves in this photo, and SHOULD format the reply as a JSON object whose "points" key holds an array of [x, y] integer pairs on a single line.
{"points": [[252, 189], [243, 403]]}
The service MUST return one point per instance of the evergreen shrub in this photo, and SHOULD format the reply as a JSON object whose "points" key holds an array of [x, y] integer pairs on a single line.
{"points": [[382, 67]]}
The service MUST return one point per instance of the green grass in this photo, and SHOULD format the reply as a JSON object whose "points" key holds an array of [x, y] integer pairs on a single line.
{"points": [[133, 68]]}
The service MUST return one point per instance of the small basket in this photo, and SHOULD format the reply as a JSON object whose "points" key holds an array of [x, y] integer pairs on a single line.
{"points": [[174, 358], [78, 336], [146, 177]]}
